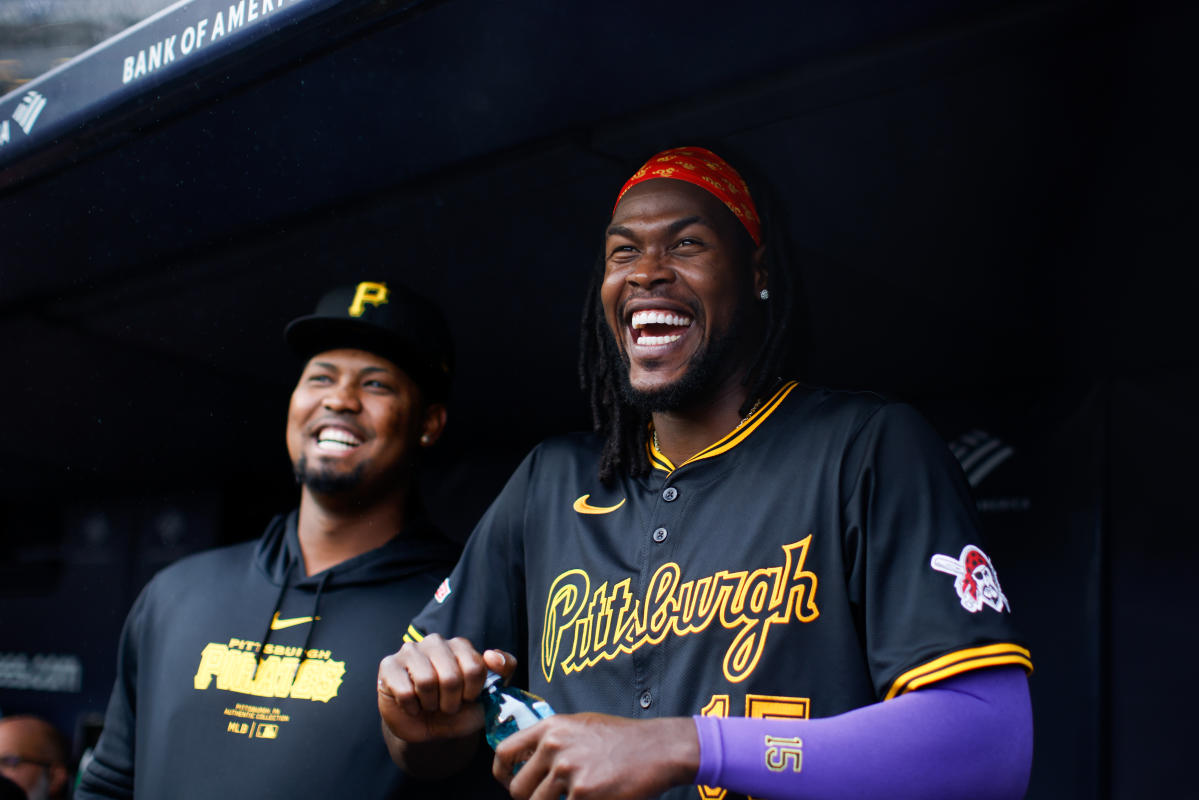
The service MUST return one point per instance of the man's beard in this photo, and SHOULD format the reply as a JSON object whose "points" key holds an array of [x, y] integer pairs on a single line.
{"points": [[701, 377], [325, 480]]}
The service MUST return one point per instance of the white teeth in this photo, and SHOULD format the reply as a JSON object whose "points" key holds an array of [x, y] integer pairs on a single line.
{"points": [[650, 341], [337, 439], [642, 318]]}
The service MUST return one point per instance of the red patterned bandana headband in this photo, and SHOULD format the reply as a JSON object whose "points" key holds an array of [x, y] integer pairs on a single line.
{"points": [[708, 171]]}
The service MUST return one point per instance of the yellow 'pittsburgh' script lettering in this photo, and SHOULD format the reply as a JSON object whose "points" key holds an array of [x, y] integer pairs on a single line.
{"points": [[583, 627], [317, 679]]}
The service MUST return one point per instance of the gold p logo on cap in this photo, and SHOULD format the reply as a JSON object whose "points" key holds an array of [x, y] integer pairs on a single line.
{"points": [[368, 292]]}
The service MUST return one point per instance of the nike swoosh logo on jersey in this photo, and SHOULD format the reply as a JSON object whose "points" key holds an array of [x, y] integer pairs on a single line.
{"points": [[279, 624], [583, 507]]}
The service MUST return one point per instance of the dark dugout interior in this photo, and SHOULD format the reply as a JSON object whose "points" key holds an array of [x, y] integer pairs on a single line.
{"points": [[990, 205]]}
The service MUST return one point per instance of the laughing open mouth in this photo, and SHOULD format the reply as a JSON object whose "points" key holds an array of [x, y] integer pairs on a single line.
{"points": [[336, 440], [655, 327]]}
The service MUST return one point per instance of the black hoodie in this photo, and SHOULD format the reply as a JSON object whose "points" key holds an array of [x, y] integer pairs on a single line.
{"points": [[201, 708]]}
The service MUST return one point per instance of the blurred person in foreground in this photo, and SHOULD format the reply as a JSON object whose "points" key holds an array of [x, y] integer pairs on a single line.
{"points": [[33, 755]]}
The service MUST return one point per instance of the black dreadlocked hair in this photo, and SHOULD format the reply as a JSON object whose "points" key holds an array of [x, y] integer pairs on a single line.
{"points": [[626, 429]]}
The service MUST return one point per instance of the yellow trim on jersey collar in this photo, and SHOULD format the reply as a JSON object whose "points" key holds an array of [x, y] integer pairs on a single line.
{"points": [[727, 442]]}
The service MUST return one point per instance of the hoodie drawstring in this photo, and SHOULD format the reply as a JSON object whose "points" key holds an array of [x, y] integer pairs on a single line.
{"points": [[271, 622], [316, 607]]}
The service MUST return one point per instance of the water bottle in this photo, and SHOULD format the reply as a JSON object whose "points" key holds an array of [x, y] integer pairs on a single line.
{"points": [[507, 710]]}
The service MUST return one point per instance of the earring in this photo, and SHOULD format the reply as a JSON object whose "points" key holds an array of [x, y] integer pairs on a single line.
{"points": [[424, 439], [764, 294]]}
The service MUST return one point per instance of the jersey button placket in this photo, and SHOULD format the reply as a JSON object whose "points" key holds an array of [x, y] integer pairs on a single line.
{"points": [[648, 661]]}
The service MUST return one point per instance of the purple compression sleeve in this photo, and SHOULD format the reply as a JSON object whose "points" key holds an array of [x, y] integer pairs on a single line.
{"points": [[966, 736]]}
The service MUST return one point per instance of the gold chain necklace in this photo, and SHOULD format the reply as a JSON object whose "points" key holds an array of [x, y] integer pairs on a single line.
{"points": [[744, 420]]}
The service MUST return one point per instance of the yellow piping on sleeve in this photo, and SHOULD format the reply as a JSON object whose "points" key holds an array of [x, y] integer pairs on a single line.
{"points": [[957, 662]]}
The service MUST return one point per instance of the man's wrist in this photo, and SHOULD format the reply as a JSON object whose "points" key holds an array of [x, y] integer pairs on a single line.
{"points": [[680, 748]]}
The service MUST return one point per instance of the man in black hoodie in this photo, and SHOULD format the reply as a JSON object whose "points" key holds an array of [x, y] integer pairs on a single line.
{"points": [[250, 670]]}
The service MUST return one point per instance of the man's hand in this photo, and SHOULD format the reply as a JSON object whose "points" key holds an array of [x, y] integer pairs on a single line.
{"points": [[598, 756], [428, 692]]}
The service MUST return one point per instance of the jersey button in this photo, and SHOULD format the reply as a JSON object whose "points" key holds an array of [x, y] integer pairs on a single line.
{"points": [[669, 494], [660, 535], [646, 699]]}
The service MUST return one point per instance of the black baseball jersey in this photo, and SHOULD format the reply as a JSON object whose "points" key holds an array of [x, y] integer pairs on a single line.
{"points": [[822, 556]]}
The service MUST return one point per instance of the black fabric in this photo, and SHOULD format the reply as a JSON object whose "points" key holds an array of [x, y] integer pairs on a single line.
{"points": [[794, 578], [9, 790], [192, 715]]}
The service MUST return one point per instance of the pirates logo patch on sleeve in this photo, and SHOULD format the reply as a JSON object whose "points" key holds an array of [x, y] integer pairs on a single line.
{"points": [[977, 584], [443, 591]]}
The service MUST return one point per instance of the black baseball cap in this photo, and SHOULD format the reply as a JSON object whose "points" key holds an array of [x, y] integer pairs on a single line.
{"points": [[384, 318]]}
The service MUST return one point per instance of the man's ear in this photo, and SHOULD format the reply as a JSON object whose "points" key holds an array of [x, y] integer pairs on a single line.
{"points": [[433, 425]]}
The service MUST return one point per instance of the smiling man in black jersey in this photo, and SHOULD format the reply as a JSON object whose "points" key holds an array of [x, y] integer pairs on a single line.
{"points": [[742, 585]]}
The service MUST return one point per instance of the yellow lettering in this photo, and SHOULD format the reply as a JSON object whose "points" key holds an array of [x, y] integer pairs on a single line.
{"points": [[318, 680], [743, 654], [368, 292], [661, 596], [212, 659], [274, 677], [236, 672], [601, 613], [699, 600], [277, 675], [626, 615], [803, 594], [567, 597], [606, 624]]}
